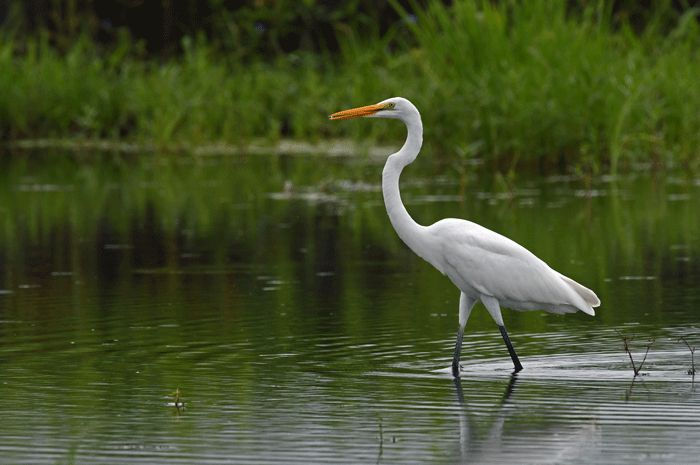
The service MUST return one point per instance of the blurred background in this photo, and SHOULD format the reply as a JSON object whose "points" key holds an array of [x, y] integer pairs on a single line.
{"points": [[261, 28]]}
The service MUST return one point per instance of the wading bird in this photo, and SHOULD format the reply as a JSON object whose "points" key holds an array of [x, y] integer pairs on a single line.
{"points": [[485, 266]]}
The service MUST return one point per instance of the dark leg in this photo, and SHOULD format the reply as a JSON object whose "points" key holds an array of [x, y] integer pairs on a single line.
{"points": [[513, 355], [458, 388], [458, 351]]}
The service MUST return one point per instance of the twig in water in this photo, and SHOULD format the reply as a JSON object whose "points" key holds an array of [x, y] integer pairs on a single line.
{"points": [[381, 439], [629, 352], [692, 356], [176, 399], [651, 342]]}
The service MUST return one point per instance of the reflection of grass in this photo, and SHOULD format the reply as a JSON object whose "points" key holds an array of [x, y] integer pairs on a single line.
{"points": [[161, 211], [190, 221], [514, 83]]}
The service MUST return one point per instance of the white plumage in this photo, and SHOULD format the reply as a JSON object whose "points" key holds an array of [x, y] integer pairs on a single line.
{"points": [[485, 266]]}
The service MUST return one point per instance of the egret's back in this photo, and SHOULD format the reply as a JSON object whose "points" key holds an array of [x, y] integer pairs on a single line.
{"points": [[481, 262]]}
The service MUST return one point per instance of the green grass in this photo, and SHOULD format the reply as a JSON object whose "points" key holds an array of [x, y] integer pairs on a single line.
{"points": [[527, 81], [518, 84]]}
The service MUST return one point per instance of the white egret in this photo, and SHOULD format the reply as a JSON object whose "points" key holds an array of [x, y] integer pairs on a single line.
{"points": [[485, 266]]}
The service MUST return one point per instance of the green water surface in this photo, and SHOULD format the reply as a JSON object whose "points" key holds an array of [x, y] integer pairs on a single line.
{"points": [[272, 293]]}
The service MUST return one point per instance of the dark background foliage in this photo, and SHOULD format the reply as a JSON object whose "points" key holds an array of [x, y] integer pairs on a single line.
{"points": [[252, 27]]}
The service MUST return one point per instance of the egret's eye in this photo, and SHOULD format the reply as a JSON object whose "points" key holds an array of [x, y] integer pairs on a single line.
{"points": [[389, 106]]}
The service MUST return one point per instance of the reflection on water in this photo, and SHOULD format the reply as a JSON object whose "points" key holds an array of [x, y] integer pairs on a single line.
{"points": [[297, 328], [581, 416]]}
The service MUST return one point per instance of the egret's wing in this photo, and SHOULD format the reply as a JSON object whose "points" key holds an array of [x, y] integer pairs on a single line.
{"points": [[484, 262]]}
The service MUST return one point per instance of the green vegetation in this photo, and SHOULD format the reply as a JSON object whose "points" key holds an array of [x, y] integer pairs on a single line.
{"points": [[518, 84], [526, 81]]}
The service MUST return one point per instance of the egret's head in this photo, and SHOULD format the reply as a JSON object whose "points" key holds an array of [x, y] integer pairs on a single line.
{"points": [[396, 107]]}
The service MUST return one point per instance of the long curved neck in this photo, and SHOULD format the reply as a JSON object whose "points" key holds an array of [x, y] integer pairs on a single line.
{"points": [[407, 229]]}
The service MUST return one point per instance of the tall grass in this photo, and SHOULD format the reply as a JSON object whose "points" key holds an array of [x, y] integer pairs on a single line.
{"points": [[532, 81], [198, 98], [515, 83]]}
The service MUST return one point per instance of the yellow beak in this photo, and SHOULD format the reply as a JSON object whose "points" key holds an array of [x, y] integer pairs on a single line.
{"points": [[357, 112]]}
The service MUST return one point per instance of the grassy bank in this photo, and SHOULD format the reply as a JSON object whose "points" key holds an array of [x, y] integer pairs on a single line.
{"points": [[530, 82], [518, 84]]}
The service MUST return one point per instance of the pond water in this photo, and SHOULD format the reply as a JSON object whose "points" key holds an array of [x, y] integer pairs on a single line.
{"points": [[273, 295]]}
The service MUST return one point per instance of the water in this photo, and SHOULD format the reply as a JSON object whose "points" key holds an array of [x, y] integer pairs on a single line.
{"points": [[298, 329]]}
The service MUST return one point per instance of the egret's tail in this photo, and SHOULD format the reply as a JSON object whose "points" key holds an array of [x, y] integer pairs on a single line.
{"points": [[586, 294]]}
